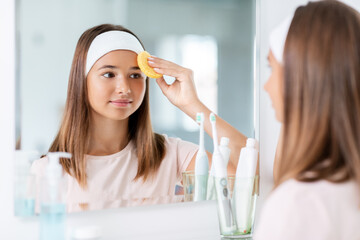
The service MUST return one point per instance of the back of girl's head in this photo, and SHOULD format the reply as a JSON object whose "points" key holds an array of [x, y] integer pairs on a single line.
{"points": [[322, 95]]}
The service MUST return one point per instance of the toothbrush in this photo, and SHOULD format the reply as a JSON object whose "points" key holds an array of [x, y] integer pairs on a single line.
{"points": [[211, 194], [225, 153], [201, 164], [227, 222]]}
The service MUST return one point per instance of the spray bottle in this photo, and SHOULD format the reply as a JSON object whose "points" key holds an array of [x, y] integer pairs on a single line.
{"points": [[53, 208]]}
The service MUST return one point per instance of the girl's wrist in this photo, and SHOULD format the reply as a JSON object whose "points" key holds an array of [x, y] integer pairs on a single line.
{"points": [[194, 107]]}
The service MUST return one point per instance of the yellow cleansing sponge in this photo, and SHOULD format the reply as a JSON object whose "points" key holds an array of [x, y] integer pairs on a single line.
{"points": [[142, 60]]}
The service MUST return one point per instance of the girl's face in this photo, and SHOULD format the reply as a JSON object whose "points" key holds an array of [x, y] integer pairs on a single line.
{"points": [[274, 86], [116, 86]]}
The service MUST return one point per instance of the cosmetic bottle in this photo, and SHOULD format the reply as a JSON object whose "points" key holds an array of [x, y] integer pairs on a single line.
{"points": [[52, 205], [24, 185], [243, 199]]}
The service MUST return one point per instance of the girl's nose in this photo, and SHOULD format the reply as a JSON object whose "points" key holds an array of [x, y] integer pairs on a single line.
{"points": [[122, 86]]}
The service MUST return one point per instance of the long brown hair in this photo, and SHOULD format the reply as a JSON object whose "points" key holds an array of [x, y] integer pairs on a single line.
{"points": [[321, 138], [74, 130]]}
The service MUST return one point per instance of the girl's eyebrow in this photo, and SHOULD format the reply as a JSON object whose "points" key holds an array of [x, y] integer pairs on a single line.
{"points": [[107, 66], [114, 67]]}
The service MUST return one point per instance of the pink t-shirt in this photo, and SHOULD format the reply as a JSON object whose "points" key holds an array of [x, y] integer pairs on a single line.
{"points": [[318, 210], [110, 179]]}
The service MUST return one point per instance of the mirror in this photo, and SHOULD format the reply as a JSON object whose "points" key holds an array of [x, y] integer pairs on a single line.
{"points": [[215, 38]]}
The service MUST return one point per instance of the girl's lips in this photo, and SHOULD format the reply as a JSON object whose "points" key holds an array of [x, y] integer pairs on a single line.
{"points": [[121, 102]]}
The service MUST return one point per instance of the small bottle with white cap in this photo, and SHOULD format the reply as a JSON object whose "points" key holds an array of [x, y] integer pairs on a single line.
{"points": [[243, 200]]}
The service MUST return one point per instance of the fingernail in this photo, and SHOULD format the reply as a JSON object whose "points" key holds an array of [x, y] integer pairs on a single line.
{"points": [[150, 62], [157, 70], [151, 58]]}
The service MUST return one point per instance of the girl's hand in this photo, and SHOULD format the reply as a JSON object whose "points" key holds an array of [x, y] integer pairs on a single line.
{"points": [[181, 92]]}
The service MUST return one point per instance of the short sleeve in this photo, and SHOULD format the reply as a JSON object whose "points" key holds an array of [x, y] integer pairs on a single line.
{"points": [[185, 152], [292, 214]]}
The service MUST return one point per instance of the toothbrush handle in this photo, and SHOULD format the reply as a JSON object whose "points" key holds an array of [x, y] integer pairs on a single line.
{"points": [[200, 187]]}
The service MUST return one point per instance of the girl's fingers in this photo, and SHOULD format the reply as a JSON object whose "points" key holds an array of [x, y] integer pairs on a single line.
{"points": [[171, 69], [176, 73], [161, 63], [162, 84]]}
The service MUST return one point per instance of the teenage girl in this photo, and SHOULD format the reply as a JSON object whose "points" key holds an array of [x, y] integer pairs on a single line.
{"points": [[117, 159]]}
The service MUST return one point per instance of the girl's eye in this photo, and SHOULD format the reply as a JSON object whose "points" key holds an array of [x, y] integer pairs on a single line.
{"points": [[109, 75], [136, 75]]}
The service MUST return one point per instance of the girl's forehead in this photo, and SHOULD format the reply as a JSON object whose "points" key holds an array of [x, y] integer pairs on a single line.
{"points": [[118, 57]]}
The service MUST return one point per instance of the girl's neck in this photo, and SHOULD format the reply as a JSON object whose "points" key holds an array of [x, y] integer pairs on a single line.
{"points": [[107, 136]]}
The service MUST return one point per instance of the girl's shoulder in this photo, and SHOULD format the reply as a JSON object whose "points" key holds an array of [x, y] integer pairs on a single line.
{"points": [[296, 190], [309, 209], [182, 151], [175, 144]]}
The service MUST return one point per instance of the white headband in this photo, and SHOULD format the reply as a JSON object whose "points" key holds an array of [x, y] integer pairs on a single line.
{"points": [[110, 41], [278, 38]]}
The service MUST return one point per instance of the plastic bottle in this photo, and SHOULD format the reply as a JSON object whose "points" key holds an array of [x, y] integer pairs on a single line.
{"points": [[24, 196], [244, 185], [52, 206]]}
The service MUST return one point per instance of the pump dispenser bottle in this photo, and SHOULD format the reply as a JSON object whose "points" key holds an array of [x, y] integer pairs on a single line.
{"points": [[24, 194], [52, 206]]}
